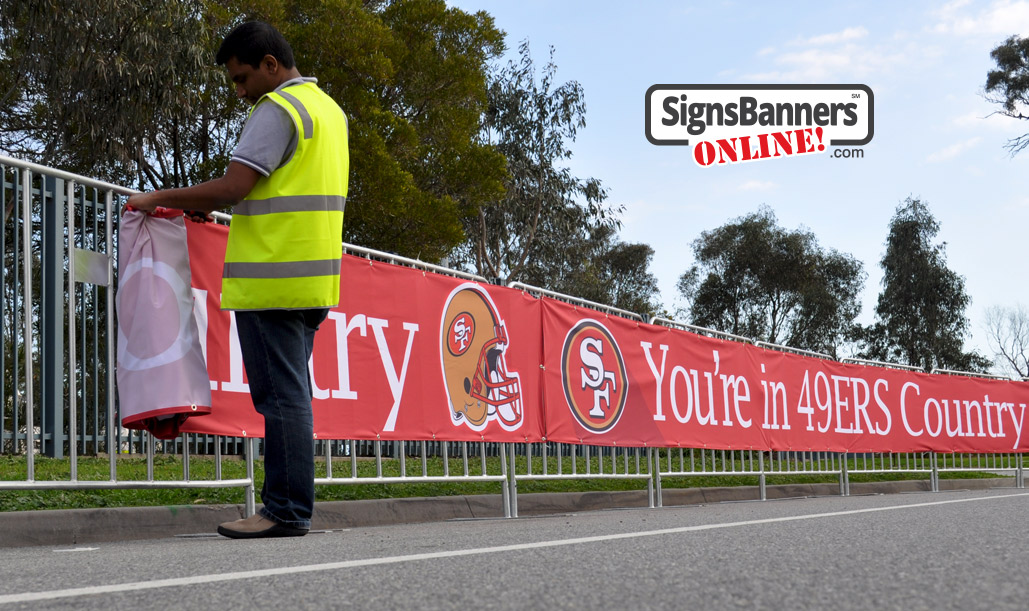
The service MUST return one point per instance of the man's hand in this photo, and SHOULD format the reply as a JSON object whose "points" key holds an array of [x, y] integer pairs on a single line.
{"points": [[144, 202], [199, 200]]}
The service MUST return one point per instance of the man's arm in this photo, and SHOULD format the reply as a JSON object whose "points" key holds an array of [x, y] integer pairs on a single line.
{"points": [[209, 196]]}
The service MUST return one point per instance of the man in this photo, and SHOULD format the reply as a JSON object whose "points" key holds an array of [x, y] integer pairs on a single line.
{"points": [[287, 182]]}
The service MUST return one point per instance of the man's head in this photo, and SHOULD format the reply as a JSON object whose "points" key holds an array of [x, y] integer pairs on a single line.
{"points": [[258, 59]]}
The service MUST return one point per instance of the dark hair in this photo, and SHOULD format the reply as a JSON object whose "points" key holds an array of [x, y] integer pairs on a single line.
{"points": [[251, 41]]}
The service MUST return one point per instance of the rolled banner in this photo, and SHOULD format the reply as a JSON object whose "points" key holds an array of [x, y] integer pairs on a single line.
{"points": [[161, 371]]}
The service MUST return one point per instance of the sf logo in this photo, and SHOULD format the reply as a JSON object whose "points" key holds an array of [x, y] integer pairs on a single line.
{"points": [[462, 330], [593, 376]]}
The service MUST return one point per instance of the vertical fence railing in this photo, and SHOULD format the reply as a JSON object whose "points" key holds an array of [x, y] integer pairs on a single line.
{"points": [[57, 282], [559, 461]]}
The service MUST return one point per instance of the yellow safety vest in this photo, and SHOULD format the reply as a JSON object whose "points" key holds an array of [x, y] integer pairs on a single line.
{"points": [[286, 236]]}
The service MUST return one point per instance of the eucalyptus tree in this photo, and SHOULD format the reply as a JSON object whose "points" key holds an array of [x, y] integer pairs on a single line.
{"points": [[756, 279], [127, 90], [920, 315], [531, 120], [1008, 84]]}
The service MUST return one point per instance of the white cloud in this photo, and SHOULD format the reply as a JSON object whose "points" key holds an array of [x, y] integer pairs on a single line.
{"points": [[757, 185], [845, 35], [854, 52], [1000, 18], [1020, 205], [952, 151], [846, 61], [845, 55]]}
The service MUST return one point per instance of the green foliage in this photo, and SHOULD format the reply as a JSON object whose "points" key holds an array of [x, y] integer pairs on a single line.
{"points": [[1008, 84], [449, 156], [920, 316], [530, 121], [754, 278], [133, 97], [110, 88], [411, 76], [595, 265]]}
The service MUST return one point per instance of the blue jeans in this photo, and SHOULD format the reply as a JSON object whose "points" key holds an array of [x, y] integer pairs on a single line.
{"points": [[276, 347]]}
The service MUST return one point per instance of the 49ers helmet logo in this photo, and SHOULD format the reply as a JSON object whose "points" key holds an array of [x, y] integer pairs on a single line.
{"points": [[593, 376], [473, 342]]}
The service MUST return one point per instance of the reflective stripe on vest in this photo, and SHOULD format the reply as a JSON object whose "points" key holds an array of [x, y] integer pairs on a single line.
{"points": [[288, 269], [305, 117], [285, 238], [296, 203]]}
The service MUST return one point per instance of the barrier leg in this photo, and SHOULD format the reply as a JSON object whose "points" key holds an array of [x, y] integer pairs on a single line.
{"points": [[934, 479], [505, 488], [512, 478], [250, 501], [761, 478], [651, 502], [844, 476], [659, 500]]}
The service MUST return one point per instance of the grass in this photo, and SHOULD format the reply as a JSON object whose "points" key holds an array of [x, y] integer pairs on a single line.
{"points": [[169, 468]]}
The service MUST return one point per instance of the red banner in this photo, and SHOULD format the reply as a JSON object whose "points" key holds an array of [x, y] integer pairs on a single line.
{"points": [[407, 355], [613, 381], [412, 355]]}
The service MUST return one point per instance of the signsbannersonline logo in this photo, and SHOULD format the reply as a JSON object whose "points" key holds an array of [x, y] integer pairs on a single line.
{"points": [[736, 123]]}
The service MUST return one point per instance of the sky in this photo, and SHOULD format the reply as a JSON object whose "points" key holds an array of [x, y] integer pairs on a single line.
{"points": [[935, 135]]}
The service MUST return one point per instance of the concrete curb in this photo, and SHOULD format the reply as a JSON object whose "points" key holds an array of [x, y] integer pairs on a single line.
{"points": [[82, 526]]}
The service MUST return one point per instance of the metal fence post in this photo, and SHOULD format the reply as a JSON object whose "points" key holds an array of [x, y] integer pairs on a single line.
{"points": [[112, 424], [761, 477], [1019, 475], [73, 407], [505, 490], [657, 476], [512, 479], [51, 314], [844, 476], [934, 479], [30, 401], [249, 493], [650, 482]]}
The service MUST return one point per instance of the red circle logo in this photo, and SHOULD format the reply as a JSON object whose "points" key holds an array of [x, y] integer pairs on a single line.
{"points": [[593, 376]]}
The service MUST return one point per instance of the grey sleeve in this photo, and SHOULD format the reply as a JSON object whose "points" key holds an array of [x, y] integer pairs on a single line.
{"points": [[268, 140]]}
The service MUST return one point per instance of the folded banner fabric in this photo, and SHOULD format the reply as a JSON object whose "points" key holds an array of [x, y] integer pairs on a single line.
{"points": [[412, 355], [161, 373]]}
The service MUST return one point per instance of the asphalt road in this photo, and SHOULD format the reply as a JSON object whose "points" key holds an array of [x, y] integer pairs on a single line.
{"points": [[952, 550]]}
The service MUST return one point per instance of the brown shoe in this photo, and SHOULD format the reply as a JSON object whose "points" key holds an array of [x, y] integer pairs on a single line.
{"points": [[257, 526]]}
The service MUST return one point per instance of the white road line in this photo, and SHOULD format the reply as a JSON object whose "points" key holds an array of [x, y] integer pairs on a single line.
{"points": [[348, 564]]}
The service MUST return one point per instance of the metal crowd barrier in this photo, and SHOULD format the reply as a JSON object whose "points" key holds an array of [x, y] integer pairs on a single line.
{"points": [[692, 463], [906, 462], [471, 470], [57, 282], [578, 462], [997, 464]]}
